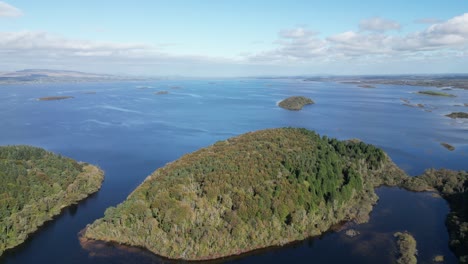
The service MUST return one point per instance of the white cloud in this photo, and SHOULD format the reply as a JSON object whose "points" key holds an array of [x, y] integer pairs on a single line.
{"points": [[427, 20], [378, 24], [7, 10], [351, 43], [296, 33], [33, 41], [295, 45], [455, 26], [443, 39], [295, 48], [451, 34]]}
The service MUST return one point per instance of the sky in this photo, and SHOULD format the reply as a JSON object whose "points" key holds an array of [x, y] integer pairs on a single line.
{"points": [[227, 38]]}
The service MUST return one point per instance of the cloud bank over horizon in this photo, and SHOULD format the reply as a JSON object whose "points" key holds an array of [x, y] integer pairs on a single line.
{"points": [[445, 39], [375, 41]]}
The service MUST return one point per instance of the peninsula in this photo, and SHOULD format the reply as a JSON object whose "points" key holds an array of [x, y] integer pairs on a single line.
{"points": [[36, 186], [295, 103], [256, 190]]}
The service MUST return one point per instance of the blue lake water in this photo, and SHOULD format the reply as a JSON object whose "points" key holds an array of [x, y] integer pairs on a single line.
{"points": [[129, 132]]}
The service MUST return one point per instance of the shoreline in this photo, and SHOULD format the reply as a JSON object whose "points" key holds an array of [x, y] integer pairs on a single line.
{"points": [[93, 246]]}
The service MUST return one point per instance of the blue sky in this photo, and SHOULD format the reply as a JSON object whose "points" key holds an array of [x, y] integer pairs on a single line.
{"points": [[236, 38]]}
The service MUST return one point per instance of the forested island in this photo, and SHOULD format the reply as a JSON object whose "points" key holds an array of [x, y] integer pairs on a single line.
{"points": [[455, 115], [35, 186], [256, 190], [295, 103], [447, 146], [406, 247], [263, 189]]}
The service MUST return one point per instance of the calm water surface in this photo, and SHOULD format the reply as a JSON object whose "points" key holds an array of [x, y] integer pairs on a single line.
{"points": [[129, 132]]}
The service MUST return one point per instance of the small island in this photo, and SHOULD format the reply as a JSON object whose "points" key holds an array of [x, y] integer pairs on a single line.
{"points": [[161, 92], [436, 93], [295, 103], [407, 102], [36, 186], [455, 115], [366, 86], [447, 146], [53, 98], [406, 247], [352, 233], [438, 258], [142, 87]]}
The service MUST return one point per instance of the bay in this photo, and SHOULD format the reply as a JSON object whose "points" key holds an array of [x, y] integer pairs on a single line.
{"points": [[129, 131]]}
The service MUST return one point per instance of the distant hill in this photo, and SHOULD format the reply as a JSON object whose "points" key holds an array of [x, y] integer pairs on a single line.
{"points": [[51, 73], [46, 75]]}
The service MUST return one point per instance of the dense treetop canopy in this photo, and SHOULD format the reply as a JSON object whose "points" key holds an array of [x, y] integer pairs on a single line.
{"points": [[35, 186], [259, 189]]}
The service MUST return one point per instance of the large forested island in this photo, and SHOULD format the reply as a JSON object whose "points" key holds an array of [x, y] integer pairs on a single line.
{"points": [[256, 190], [295, 103], [35, 186], [266, 188]]}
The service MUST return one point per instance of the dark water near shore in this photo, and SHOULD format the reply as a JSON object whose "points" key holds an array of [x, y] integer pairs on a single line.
{"points": [[129, 132]]}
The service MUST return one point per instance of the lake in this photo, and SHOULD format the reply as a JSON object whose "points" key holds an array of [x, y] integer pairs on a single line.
{"points": [[129, 131]]}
